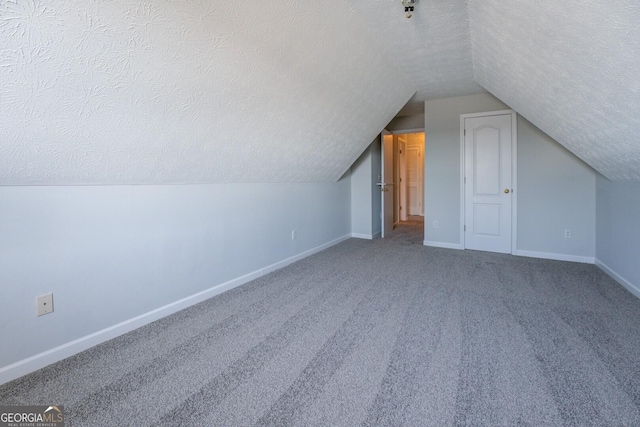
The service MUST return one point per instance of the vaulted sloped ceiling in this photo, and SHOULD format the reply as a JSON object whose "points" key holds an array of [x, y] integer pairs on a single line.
{"points": [[205, 91], [432, 47], [571, 67], [198, 91]]}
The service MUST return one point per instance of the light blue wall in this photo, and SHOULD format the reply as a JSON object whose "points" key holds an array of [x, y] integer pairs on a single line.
{"points": [[442, 163], [376, 194], [365, 194], [618, 231], [111, 253], [406, 123], [556, 192], [361, 225]]}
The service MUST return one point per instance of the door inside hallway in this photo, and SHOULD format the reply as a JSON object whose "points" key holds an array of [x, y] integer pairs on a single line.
{"points": [[411, 169], [401, 180], [415, 175]]}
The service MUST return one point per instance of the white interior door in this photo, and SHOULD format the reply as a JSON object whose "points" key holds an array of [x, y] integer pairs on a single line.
{"points": [[386, 184], [402, 179], [413, 181], [488, 183]]}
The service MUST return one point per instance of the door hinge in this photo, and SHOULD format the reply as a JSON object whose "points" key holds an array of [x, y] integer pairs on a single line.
{"points": [[465, 132], [465, 228], [465, 179]]}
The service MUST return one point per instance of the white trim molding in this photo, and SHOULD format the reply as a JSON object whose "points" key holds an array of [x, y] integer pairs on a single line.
{"points": [[444, 245], [362, 236], [554, 256], [635, 290], [373, 236], [33, 363]]}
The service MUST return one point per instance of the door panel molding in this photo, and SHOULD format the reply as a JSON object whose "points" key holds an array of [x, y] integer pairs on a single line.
{"points": [[514, 174]]}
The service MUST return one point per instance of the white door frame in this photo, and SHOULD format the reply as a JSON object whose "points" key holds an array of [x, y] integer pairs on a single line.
{"points": [[402, 180], [514, 174], [420, 164], [424, 150]]}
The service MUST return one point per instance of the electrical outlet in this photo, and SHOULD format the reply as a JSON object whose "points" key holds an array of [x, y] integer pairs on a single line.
{"points": [[567, 234], [435, 224], [294, 234], [45, 304]]}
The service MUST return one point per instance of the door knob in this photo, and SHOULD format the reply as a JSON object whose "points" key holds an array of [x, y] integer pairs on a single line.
{"points": [[506, 191]]}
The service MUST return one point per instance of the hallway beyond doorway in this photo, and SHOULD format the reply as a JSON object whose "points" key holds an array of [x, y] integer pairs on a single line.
{"points": [[410, 231]]}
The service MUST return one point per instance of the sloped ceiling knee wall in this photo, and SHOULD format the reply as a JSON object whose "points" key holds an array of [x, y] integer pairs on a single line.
{"points": [[200, 91], [572, 68]]}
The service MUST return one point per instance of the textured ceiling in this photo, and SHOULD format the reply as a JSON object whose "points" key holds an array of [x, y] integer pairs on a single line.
{"points": [[432, 48], [200, 91], [572, 68]]}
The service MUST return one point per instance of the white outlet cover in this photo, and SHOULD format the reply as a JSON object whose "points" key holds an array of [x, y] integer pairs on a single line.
{"points": [[45, 304]]}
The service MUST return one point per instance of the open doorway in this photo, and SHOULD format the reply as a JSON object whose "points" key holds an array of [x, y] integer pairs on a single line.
{"points": [[409, 173], [402, 182]]}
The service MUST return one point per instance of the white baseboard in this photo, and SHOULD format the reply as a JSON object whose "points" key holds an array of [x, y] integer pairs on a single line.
{"points": [[444, 245], [635, 290], [302, 255], [377, 235], [362, 236], [554, 256], [33, 363]]}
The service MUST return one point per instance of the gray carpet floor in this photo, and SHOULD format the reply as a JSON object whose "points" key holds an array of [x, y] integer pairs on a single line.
{"points": [[372, 333]]}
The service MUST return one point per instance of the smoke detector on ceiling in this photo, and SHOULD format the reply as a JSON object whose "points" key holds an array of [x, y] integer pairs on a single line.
{"points": [[408, 7]]}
